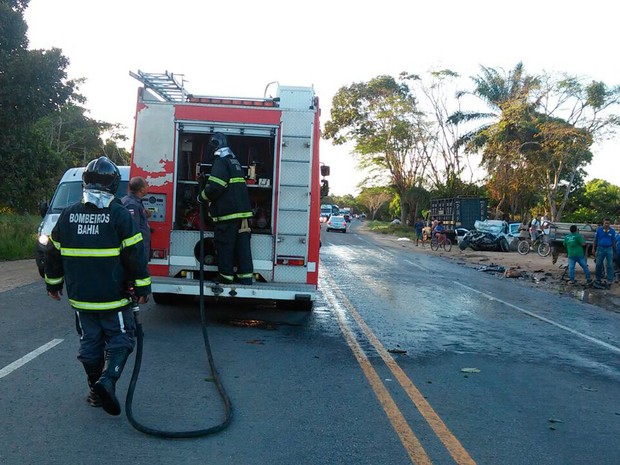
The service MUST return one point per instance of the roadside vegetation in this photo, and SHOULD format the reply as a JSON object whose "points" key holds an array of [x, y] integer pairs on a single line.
{"points": [[522, 140], [18, 234], [383, 227]]}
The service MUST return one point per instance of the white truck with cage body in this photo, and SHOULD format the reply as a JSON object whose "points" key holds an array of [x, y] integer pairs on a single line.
{"points": [[276, 139]]}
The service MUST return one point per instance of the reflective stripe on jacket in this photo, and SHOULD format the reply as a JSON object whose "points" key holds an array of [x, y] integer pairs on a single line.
{"points": [[227, 191], [96, 253]]}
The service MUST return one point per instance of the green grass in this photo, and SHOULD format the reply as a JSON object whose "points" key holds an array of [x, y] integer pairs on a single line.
{"points": [[393, 229], [18, 234]]}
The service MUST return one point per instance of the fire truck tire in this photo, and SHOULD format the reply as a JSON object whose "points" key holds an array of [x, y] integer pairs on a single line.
{"points": [[161, 298]]}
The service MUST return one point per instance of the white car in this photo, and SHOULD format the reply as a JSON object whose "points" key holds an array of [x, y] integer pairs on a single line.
{"points": [[337, 223]]}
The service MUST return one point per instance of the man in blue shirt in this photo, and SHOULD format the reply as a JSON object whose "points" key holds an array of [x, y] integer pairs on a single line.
{"points": [[603, 249], [419, 225]]}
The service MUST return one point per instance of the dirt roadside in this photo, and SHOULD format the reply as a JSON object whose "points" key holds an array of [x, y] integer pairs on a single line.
{"points": [[530, 270], [18, 273]]}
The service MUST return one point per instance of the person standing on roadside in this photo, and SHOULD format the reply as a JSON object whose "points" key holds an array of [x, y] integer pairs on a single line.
{"points": [[138, 188], [523, 230], [603, 249], [534, 229], [97, 253], [418, 226], [574, 243]]}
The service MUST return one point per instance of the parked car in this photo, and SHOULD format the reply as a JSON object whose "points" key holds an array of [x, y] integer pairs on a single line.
{"points": [[68, 192], [337, 223]]}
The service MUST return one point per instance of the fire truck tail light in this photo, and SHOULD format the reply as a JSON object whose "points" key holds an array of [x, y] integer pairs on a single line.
{"points": [[291, 261], [159, 253]]}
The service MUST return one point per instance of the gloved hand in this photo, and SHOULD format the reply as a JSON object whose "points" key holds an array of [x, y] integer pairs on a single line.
{"points": [[55, 294]]}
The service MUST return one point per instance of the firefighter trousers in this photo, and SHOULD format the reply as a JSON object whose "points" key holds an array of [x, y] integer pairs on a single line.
{"points": [[103, 331], [233, 249]]}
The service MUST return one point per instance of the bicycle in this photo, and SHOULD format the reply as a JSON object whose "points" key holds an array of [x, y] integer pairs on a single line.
{"points": [[445, 244], [542, 247]]}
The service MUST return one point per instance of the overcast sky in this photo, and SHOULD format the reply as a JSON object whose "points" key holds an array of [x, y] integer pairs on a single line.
{"points": [[237, 47]]}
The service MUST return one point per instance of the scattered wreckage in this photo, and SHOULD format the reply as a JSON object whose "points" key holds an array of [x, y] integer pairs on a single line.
{"points": [[489, 235]]}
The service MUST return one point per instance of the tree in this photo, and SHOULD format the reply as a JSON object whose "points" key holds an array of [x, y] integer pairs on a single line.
{"points": [[373, 198], [598, 199], [508, 98], [540, 134], [381, 120], [33, 84]]}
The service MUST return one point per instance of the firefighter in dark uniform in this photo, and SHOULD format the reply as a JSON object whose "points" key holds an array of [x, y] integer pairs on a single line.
{"points": [[98, 255], [229, 209]]}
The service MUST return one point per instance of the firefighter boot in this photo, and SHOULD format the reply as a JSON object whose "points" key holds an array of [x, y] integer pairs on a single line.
{"points": [[105, 388], [93, 372]]}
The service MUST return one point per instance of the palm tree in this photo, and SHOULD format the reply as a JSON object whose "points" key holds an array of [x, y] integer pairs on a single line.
{"points": [[508, 98]]}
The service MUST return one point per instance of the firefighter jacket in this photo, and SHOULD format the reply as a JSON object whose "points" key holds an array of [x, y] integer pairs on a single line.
{"points": [[226, 189], [96, 252]]}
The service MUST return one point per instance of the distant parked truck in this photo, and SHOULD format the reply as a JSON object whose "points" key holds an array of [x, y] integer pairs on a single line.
{"points": [[558, 231], [459, 212]]}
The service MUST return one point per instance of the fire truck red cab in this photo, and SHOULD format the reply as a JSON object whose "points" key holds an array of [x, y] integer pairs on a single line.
{"points": [[276, 139]]}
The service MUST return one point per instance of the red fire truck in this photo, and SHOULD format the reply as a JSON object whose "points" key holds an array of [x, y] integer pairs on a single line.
{"points": [[276, 139]]}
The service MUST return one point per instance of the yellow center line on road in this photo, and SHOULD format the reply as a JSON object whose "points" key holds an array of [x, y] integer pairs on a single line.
{"points": [[452, 444], [412, 444]]}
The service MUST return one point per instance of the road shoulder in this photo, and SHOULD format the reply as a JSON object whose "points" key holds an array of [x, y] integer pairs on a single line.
{"points": [[17, 273]]}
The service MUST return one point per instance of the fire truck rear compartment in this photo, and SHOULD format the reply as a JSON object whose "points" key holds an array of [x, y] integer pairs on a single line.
{"points": [[256, 154]]}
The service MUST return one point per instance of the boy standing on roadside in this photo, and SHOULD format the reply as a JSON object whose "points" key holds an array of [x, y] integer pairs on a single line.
{"points": [[419, 225], [574, 243]]}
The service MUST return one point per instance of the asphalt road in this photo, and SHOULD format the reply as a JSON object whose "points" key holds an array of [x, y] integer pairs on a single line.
{"points": [[406, 358]]}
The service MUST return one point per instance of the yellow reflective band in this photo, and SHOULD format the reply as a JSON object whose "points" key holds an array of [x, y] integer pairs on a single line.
{"points": [[98, 305], [236, 180], [90, 252], [203, 195], [228, 277], [133, 240], [233, 216], [56, 244], [219, 181], [245, 275], [53, 281], [143, 282]]}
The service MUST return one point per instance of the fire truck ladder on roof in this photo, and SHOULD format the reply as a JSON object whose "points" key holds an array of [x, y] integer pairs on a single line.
{"points": [[165, 85]]}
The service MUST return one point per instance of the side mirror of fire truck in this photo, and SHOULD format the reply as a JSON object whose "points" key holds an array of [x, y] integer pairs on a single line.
{"points": [[324, 188]]}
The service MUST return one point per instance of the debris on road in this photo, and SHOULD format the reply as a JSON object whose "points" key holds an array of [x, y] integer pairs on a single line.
{"points": [[470, 370]]}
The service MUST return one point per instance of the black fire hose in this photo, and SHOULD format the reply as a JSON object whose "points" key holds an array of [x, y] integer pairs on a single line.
{"points": [[215, 376]]}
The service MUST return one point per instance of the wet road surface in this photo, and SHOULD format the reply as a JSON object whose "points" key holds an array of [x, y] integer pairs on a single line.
{"points": [[406, 358]]}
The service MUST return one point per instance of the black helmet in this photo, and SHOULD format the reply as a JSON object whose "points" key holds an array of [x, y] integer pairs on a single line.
{"points": [[217, 141], [102, 175]]}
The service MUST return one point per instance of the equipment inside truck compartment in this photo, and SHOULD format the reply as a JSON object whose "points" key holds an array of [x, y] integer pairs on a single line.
{"points": [[255, 153]]}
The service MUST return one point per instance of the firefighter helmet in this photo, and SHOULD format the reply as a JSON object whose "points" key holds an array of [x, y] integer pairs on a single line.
{"points": [[217, 141], [101, 174]]}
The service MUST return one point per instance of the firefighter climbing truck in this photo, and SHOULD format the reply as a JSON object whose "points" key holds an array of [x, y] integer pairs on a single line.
{"points": [[276, 139]]}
